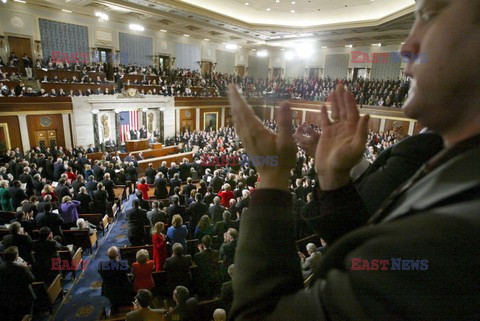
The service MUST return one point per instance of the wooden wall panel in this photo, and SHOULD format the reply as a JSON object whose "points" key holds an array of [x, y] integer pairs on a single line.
{"points": [[374, 124], [13, 131], [297, 117], [312, 118], [210, 110], [389, 125], [187, 117], [33, 123]]}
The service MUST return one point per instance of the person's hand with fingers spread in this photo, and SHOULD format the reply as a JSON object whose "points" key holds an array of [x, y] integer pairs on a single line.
{"points": [[342, 142], [307, 139], [260, 141]]}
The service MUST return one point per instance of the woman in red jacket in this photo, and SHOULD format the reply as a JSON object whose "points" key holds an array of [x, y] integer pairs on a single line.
{"points": [[226, 195], [143, 187], [159, 246], [142, 272]]}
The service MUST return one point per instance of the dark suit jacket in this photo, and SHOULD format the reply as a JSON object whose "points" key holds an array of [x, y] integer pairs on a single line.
{"points": [[150, 174], [137, 219], [24, 244], [115, 286], [52, 220], [178, 271], [441, 207], [161, 191], [176, 209], [61, 191], [16, 290], [394, 166], [216, 213], [208, 279], [109, 185], [197, 210], [17, 195], [174, 183]]}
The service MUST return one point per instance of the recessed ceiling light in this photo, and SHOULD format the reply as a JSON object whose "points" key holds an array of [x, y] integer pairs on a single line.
{"points": [[324, 47], [136, 27], [21, 1], [246, 3], [268, 9], [206, 39], [277, 1], [402, 43], [68, 11], [348, 46], [4, 1], [185, 35], [282, 49], [376, 44], [292, 11], [293, 2], [231, 46], [163, 30]]}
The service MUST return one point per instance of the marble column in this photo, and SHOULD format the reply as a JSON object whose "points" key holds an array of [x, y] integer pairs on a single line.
{"points": [[223, 117], [117, 128], [95, 128], [22, 122], [304, 116], [66, 131], [411, 127], [162, 125], [197, 119], [382, 125]]}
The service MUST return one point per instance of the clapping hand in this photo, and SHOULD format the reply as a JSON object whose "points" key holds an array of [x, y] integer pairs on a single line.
{"points": [[342, 141], [260, 141], [307, 139]]}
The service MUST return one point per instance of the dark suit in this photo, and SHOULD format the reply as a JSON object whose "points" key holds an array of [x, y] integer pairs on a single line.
{"points": [[17, 195], [115, 286], [44, 252], [197, 210], [174, 183], [16, 293], [176, 209], [420, 225], [161, 191], [27, 179], [61, 191], [100, 198], [109, 185], [216, 184], [216, 213], [178, 271], [137, 219], [150, 174], [84, 207], [226, 296], [208, 278], [52, 220], [24, 244], [184, 170], [58, 170]]}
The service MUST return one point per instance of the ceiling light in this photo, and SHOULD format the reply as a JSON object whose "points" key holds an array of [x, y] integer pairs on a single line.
{"points": [[262, 53], [277, 1], [163, 30], [348, 46], [402, 43], [185, 35], [136, 27], [324, 47], [304, 50], [254, 49], [102, 16], [246, 3], [292, 11], [21, 1], [376, 44], [206, 39], [68, 11], [231, 46], [4, 1], [293, 2], [268, 9]]}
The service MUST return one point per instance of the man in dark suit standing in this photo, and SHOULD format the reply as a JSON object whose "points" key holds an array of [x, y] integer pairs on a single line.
{"points": [[133, 134], [58, 169], [176, 208], [51, 220], [150, 173], [174, 182], [216, 181], [184, 169], [17, 195], [116, 285], [62, 190], [100, 199], [91, 185], [216, 210], [160, 187], [21, 240], [227, 250], [16, 293], [46, 249], [209, 278], [143, 132], [109, 186], [197, 209], [27, 179], [137, 219], [178, 268]]}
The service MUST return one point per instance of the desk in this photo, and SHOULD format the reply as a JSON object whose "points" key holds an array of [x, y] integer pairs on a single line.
{"points": [[136, 145], [157, 145], [152, 153], [71, 86], [94, 156], [157, 161], [66, 74]]}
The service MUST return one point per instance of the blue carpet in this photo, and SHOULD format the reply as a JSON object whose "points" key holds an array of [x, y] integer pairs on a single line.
{"points": [[84, 302]]}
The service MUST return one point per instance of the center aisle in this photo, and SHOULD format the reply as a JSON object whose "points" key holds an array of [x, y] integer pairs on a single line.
{"points": [[84, 301]]}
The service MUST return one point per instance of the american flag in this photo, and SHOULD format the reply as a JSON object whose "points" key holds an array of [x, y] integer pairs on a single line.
{"points": [[128, 120]]}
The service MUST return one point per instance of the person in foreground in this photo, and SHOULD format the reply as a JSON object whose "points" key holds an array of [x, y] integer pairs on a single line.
{"points": [[416, 258]]}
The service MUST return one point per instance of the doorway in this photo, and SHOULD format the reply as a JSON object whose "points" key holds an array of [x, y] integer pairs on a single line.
{"points": [[313, 73], [46, 138], [20, 46], [359, 73], [206, 67], [163, 64], [105, 57], [241, 71]]}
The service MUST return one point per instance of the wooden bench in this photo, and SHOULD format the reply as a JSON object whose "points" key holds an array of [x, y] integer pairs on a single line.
{"points": [[6, 217], [129, 253], [47, 296], [3, 232], [76, 259], [106, 222], [302, 243], [205, 309], [81, 238], [95, 219]]}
